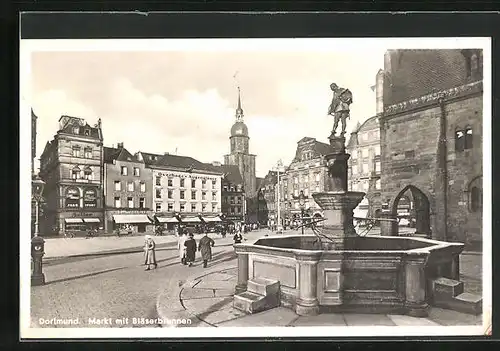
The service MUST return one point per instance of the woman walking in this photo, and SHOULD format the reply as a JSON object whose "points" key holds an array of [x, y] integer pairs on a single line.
{"points": [[190, 245], [149, 252], [205, 247], [238, 238], [182, 248]]}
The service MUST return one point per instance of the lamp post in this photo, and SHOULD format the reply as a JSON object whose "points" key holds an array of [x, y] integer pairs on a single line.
{"points": [[302, 204], [279, 165], [37, 242]]}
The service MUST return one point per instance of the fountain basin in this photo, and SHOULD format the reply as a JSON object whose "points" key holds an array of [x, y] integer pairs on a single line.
{"points": [[370, 275]]}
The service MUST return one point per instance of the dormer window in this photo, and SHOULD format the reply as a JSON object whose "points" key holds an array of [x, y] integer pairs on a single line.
{"points": [[76, 130], [87, 132]]}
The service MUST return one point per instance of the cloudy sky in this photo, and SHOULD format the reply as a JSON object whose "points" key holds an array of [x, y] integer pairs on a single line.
{"points": [[162, 100]]}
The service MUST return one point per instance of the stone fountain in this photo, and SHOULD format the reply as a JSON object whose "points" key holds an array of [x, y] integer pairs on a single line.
{"points": [[340, 271]]}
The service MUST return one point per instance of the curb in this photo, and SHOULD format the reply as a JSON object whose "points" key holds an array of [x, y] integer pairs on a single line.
{"points": [[175, 310]]}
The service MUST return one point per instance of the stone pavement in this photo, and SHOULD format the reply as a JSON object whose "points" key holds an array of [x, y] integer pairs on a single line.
{"points": [[206, 301]]}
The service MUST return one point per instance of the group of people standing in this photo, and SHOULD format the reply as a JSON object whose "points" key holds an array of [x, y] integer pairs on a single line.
{"points": [[187, 249]]}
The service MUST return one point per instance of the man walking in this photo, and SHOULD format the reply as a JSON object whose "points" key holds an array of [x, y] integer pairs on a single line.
{"points": [[205, 247]]}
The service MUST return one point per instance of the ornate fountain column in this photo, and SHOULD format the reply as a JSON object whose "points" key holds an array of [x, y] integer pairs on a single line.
{"points": [[338, 203], [307, 302]]}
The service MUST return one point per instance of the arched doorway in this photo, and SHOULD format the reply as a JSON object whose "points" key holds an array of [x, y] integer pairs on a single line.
{"points": [[412, 206]]}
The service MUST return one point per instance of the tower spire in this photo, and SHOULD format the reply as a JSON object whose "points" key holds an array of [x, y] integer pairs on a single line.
{"points": [[239, 110]]}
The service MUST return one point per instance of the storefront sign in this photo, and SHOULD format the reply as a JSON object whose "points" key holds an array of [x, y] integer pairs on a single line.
{"points": [[82, 214], [181, 175]]}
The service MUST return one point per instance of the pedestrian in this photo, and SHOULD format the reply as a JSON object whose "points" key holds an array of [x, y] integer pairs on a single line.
{"points": [[205, 247], [238, 238], [190, 245], [149, 252], [182, 248]]}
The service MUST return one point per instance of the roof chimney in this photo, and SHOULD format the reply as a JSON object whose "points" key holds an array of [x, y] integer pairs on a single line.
{"points": [[120, 145]]}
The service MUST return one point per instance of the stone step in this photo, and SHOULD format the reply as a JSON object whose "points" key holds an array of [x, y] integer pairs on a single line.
{"points": [[465, 302], [263, 286], [444, 289], [250, 302]]}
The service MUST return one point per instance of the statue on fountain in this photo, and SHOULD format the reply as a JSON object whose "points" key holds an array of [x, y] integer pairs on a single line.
{"points": [[339, 108]]}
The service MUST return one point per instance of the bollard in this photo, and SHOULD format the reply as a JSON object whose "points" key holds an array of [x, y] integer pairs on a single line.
{"points": [[37, 252]]}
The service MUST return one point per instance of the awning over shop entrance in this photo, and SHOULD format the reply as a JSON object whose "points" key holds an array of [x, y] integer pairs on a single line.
{"points": [[91, 220], [191, 219], [212, 219], [73, 220], [167, 219], [131, 219]]}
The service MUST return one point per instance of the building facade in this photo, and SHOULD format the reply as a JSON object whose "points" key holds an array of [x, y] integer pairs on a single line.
{"points": [[308, 173], [240, 156], [186, 189], [128, 188], [233, 200], [267, 195], [431, 137], [365, 166], [71, 166]]}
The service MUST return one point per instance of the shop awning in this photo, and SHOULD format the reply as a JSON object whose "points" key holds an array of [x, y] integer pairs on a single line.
{"points": [[191, 219], [92, 220], [73, 220], [212, 219], [129, 219], [167, 219]]}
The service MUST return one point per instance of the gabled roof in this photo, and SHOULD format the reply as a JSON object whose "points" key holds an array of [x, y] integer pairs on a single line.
{"points": [[83, 127], [184, 162], [118, 154], [149, 158], [231, 173]]}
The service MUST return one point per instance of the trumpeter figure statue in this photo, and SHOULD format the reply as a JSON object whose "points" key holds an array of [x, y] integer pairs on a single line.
{"points": [[339, 108]]}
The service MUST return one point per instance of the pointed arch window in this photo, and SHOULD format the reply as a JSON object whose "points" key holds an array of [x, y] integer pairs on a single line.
{"points": [[468, 138], [459, 140], [475, 199]]}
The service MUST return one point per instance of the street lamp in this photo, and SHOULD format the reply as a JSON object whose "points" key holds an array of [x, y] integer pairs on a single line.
{"points": [[278, 168], [302, 204], [37, 242]]}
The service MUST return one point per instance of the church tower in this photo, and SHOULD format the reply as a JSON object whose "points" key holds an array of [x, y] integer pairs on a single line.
{"points": [[239, 152]]}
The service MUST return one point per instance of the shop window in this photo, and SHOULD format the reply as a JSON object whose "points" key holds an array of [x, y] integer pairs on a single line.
{"points": [[75, 173], [117, 202], [468, 138], [90, 198], [143, 187], [124, 171], [193, 195], [182, 182], [158, 193], [459, 140], [141, 202], [158, 207], [72, 198], [118, 185], [475, 199], [130, 202]]}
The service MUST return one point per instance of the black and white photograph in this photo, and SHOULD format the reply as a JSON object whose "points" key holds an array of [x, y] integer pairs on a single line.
{"points": [[255, 187]]}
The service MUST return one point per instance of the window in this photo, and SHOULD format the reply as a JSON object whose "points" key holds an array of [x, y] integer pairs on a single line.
{"points": [[193, 183], [306, 178], [75, 173], [364, 152], [377, 166], [130, 202], [239, 199], [182, 194], [238, 209], [117, 202], [170, 207], [232, 209], [297, 205], [193, 195], [158, 207], [130, 186], [118, 185], [76, 151], [306, 192], [317, 189], [88, 152], [459, 140], [170, 194], [410, 154], [365, 168], [87, 132], [354, 155], [141, 202], [204, 208], [317, 177], [158, 180], [183, 208], [204, 184], [377, 184], [124, 170], [204, 195], [143, 187], [224, 188], [377, 150], [158, 193], [193, 207], [182, 182], [88, 174], [72, 197], [214, 196], [170, 182], [296, 180], [137, 172], [365, 185], [76, 130], [296, 192], [214, 183], [231, 199], [468, 138], [89, 198]]}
